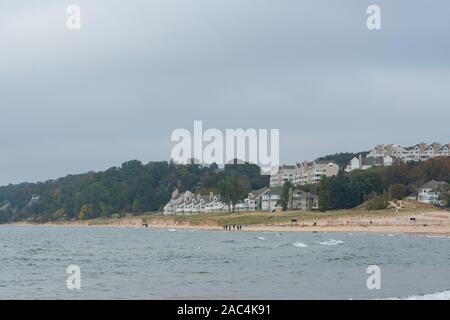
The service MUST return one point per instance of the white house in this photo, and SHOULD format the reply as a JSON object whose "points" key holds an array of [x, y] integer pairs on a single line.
{"points": [[270, 201], [431, 191], [253, 201], [360, 163], [444, 150], [416, 153]]}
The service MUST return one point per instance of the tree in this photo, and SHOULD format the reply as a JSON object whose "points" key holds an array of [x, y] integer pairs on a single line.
{"points": [[397, 191], [136, 206], [378, 202], [324, 194], [285, 195], [233, 189]]}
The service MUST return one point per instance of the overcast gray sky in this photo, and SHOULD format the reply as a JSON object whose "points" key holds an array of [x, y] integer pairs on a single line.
{"points": [[74, 101]]}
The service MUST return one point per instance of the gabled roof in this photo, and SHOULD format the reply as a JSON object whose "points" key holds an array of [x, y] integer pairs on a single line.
{"points": [[434, 146], [274, 191], [419, 145], [259, 192], [433, 184]]}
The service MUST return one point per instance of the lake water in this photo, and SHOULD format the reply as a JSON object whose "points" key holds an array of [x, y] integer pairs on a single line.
{"points": [[141, 263]]}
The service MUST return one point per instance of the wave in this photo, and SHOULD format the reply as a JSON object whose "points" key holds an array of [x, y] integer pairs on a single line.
{"points": [[331, 242], [444, 295], [299, 245], [260, 238]]}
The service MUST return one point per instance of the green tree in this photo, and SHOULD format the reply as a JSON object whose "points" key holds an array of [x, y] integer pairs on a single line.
{"points": [[233, 189], [136, 206], [378, 202], [324, 194], [285, 195]]}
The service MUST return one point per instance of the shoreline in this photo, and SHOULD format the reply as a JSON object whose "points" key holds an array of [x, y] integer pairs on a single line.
{"points": [[431, 223]]}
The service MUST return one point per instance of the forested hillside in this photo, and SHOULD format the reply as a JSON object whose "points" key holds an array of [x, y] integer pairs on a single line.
{"points": [[131, 188], [348, 190], [137, 188]]}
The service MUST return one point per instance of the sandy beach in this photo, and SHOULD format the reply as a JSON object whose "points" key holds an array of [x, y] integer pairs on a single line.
{"points": [[433, 223]]}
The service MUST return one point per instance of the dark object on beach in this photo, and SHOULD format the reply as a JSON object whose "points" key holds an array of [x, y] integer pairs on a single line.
{"points": [[424, 225], [314, 224], [145, 225], [370, 222], [412, 219], [294, 221], [314, 232]]}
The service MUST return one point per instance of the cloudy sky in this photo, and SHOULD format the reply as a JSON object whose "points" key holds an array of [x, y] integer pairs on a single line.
{"points": [[74, 101]]}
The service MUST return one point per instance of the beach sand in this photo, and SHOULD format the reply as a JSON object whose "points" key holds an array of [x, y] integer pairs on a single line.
{"points": [[435, 223]]}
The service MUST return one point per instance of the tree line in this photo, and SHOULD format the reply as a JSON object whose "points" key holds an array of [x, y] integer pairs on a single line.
{"points": [[131, 188], [137, 188]]}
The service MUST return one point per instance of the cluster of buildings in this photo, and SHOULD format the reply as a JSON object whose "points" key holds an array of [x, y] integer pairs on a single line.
{"points": [[302, 173], [387, 154], [265, 199], [269, 198], [190, 203]]}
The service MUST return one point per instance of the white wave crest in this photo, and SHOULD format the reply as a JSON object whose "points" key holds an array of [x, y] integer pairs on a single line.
{"points": [[299, 244], [444, 295], [331, 242]]}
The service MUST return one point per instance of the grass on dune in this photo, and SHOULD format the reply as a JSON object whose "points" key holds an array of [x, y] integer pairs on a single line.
{"points": [[249, 218]]}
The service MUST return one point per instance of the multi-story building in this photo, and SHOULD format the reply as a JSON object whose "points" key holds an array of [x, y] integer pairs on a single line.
{"points": [[280, 175], [303, 173], [444, 150], [417, 152], [321, 169], [303, 201], [270, 201], [383, 150]]}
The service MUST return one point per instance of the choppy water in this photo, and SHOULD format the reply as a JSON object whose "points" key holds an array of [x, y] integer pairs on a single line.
{"points": [[128, 263]]}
